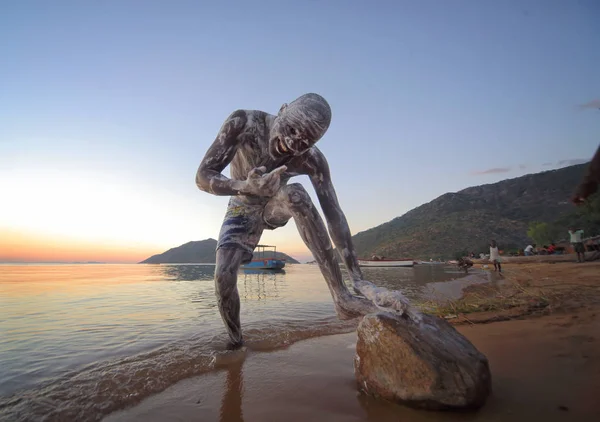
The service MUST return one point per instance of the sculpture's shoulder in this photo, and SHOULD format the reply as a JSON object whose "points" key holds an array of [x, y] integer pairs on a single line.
{"points": [[316, 157], [243, 126], [255, 129], [233, 126], [312, 163], [252, 118], [239, 118]]}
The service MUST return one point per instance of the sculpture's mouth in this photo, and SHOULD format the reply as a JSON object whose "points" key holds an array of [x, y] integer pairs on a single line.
{"points": [[281, 147]]}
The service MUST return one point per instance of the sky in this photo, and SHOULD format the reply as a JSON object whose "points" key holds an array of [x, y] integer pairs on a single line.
{"points": [[107, 108]]}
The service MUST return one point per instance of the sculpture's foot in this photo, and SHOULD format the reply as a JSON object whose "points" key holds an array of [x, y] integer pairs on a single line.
{"points": [[389, 300], [234, 345]]}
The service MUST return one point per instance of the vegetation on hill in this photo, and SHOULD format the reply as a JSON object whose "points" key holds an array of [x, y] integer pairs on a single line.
{"points": [[467, 220], [586, 217], [197, 252]]}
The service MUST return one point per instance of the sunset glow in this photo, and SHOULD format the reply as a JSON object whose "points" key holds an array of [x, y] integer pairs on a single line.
{"points": [[19, 246], [53, 215]]}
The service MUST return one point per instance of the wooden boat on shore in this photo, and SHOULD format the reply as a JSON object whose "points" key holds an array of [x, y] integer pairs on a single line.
{"points": [[386, 262], [265, 260]]}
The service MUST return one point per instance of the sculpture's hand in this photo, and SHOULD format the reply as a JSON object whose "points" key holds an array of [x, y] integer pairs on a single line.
{"points": [[388, 300], [264, 184]]}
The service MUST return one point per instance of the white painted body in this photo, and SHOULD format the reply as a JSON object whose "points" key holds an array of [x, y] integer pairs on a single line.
{"points": [[386, 263]]}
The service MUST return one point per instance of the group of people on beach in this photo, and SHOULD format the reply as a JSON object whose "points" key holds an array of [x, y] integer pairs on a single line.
{"points": [[465, 263], [575, 239], [532, 249]]}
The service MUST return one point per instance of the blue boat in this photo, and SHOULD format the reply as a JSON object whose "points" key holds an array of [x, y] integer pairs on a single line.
{"points": [[264, 259]]}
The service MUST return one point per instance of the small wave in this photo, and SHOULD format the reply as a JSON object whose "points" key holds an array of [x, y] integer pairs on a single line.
{"points": [[102, 388]]}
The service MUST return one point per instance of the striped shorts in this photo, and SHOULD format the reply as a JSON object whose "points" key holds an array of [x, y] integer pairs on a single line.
{"points": [[243, 226]]}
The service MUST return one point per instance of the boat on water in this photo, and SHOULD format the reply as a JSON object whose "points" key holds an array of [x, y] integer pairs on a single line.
{"points": [[386, 262], [265, 258]]}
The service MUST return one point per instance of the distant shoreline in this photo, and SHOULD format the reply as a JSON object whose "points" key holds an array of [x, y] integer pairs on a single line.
{"points": [[110, 263]]}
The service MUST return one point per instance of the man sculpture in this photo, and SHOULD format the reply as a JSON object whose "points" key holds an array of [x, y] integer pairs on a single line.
{"points": [[264, 152]]}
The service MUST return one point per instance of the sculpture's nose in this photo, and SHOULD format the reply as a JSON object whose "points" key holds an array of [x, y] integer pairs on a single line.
{"points": [[301, 145]]}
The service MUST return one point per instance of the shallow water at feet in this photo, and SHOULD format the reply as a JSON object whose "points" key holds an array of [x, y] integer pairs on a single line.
{"points": [[79, 341]]}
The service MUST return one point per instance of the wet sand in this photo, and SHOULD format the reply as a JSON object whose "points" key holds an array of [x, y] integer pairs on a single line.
{"points": [[545, 368]]}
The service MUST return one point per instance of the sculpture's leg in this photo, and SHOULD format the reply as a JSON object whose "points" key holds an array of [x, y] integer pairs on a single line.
{"points": [[228, 299], [293, 201]]}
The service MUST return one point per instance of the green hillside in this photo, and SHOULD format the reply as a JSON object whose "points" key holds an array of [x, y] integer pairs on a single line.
{"points": [[468, 219]]}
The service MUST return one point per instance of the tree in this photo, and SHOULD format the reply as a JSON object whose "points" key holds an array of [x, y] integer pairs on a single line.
{"points": [[542, 233]]}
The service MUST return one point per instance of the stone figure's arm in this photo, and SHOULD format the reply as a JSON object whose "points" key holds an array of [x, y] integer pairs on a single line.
{"points": [[589, 185], [318, 171], [219, 155]]}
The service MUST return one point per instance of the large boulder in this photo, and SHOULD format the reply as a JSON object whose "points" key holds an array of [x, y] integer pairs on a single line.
{"points": [[428, 365]]}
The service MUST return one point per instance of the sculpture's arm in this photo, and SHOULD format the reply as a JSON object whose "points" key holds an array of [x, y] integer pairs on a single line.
{"points": [[219, 155], [318, 171], [589, 185]]}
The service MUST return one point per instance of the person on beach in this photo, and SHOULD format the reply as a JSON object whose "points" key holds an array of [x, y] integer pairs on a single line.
{"points": [[464, 264], [495, 256], [529, 249], [576, 241], [264, 151]]}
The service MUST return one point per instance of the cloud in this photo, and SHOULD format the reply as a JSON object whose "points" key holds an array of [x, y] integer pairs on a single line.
{"points": [[591, 104], [561, 163], [492, 171], [572, 162]]}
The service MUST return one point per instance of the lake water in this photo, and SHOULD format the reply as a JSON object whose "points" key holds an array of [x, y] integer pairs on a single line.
{"points": [[79, 341]]}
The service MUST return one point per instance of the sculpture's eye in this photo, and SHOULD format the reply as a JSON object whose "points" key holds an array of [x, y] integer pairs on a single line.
{"points": [[303, 145], [292, 130]]}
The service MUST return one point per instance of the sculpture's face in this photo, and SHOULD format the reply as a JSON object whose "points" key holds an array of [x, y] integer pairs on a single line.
{"points": [[288, 138], [299, 126]]}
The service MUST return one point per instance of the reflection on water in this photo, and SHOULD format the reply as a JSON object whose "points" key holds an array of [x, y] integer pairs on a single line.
{"points": [[100, 325], [260, 285], [56, 318], [259, 271], [179, 272], [231, 403]]}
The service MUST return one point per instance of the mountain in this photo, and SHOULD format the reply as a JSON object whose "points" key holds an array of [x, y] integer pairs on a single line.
{"points": [[467, 220], [197, 252]]}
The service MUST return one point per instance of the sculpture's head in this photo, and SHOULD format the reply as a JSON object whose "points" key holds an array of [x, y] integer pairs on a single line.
{"points": [[299, 125]]}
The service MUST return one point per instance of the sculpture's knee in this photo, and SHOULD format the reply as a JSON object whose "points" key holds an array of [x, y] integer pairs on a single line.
{"points": [[297, 196]]}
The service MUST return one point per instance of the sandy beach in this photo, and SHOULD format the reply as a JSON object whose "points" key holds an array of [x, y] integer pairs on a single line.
{"points": [[545, 366]]}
